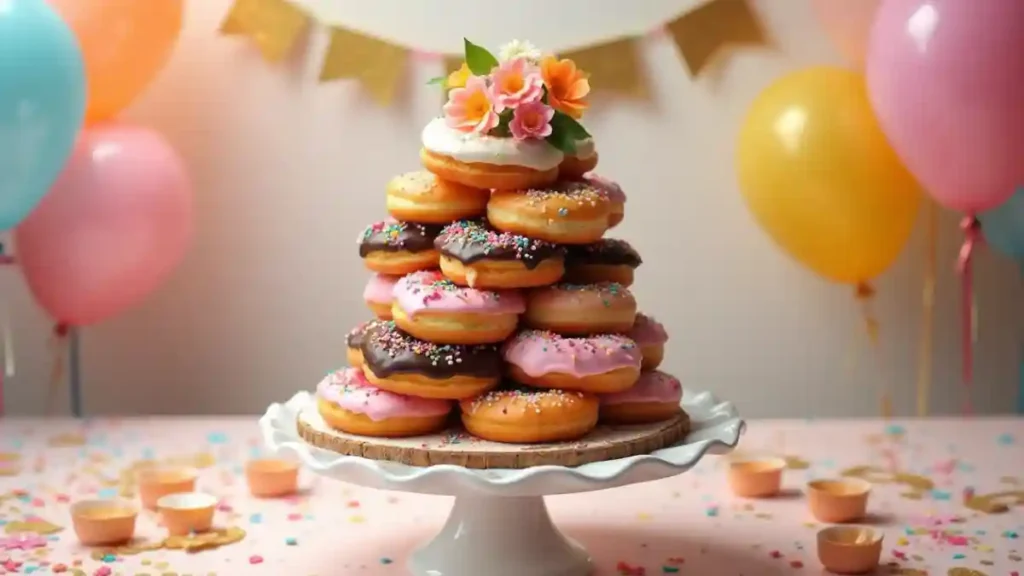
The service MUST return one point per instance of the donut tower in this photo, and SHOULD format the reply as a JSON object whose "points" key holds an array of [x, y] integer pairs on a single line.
{"points": [[495, 291]]}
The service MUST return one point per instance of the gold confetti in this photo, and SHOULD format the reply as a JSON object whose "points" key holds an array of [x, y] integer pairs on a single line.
{"points": [[997, 503], [67, 440], [919, 485], [9, 457], [40, 526], [796, 463], [964, 572]]}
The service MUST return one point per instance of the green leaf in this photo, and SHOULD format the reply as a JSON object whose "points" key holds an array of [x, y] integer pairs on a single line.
{"points": [[439, 81], [574, 127], [565, 132], [502, 130], [562, 140], [479, 60]]}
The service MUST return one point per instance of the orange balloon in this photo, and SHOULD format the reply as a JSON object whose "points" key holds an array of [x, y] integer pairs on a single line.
{"points": [[125, 43]]}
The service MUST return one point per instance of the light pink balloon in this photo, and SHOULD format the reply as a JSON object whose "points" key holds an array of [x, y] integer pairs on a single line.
{"points": [[848, 24], [115, 225], [946, 78]]}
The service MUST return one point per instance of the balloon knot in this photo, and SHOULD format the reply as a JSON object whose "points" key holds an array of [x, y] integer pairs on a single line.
{"points": [[971, 227], [865, 291], [61, 329]]}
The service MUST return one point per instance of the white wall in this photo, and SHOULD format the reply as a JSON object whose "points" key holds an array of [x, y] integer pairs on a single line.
{"points": [[288, 171]]}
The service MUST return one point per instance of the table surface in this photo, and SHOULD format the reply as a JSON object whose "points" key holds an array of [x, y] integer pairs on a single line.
{"points": [[689, 524]]}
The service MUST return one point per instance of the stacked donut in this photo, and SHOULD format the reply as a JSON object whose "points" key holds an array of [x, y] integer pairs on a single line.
{"points": [[496, 295]]}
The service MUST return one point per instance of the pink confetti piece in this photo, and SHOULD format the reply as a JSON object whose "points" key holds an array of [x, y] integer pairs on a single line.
{"points": [[22, 542], [256, 559]]}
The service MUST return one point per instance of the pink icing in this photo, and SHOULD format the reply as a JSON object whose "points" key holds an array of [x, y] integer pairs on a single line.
{"points": [[379, 289], [430, 290], [349, 389], [652, 386], [647, 331], [538, 352], [609, 187]]}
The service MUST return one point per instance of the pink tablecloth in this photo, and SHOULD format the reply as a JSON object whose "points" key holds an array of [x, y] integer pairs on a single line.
{"points": [[687, 525]]}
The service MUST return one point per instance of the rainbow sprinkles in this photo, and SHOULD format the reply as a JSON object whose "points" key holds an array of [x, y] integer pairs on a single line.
{"points": [[522, 94]]}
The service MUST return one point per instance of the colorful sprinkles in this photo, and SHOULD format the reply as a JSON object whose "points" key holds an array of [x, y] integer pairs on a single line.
{"points": [[591, 345], [475, 234], [392, 233], [574, 194], [534, 400], [430, 284], [394, 343]]}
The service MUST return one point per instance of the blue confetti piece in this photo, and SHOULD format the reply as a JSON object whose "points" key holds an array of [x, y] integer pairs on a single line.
{"points": [[1005, 439], [940, 495], [712, 512], [30, 569], [895, 430], [108, 558], [107, 493], [256, 518], [291, 541], [386, 561], [958, 556], [964, 467], [217, 438], [148, 454], [3, 522]]}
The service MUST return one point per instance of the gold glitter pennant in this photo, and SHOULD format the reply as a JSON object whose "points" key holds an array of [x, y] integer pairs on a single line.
{"points": [[613, 66], [997, 503], [700, 34], [375, 63], [39, 526], [273, 25], [919, 485]]}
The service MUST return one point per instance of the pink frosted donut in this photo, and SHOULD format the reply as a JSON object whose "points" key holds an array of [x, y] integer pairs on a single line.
{"points": [[599, 364], [349, 403], [433, 308], [378, 294], [615, 194], [654, 397], [651, 337]]}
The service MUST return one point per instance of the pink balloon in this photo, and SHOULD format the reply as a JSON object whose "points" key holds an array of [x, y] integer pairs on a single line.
{"points": [[946, 78], [848, 23], [115, 225]]}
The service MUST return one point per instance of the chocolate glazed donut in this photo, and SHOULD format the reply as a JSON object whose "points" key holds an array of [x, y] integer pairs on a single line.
{"points": [[474, 254], [608, 260], [399, 248]]}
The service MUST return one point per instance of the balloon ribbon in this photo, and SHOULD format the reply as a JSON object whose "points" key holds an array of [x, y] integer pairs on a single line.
{"points": [[969, 317], [924, 357], [58, 351], [865, 295], [8, 340]]}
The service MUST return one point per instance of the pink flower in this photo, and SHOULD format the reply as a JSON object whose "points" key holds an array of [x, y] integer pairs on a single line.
{"points": [[531, 120], [516, 82], [471, 108]]}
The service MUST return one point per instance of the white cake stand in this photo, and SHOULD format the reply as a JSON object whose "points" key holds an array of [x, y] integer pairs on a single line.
{"points": [[500, 525]]}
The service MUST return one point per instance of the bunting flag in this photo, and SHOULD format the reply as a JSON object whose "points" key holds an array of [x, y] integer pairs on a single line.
{"points": [[378, 65]]}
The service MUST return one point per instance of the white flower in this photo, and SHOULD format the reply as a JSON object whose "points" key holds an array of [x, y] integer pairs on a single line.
{"points": [[519, 49]]}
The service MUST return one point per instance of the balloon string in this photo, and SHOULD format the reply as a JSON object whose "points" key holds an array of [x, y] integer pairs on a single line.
{"points": [[972, 241], [926, 350], [866, 296], [8, 340], [58, 351]]}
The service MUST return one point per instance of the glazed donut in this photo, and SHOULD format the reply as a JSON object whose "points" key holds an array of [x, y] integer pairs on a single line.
{"points": [[564, 213], [530, 416], [488, 162], [398, 248], [581, 309], [424, 198], [654, 397], [599, 364], [473, 254], [651, 337], [354, 341], [431, 307], [607, 260], [378, 294], [574, 166], [400, 363], [615, 194], [347, 402]]}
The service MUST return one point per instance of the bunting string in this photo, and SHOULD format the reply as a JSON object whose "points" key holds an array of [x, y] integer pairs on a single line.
{"points": [[700, 35]]}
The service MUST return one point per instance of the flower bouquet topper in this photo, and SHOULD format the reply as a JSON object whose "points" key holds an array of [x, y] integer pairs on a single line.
{"points": [[524, 95]]}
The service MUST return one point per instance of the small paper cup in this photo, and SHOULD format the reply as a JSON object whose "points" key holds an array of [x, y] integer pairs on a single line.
{"points": [[838, 500], [272, 478], [760, 478], [104, 522], [849, 549], [187, 512], [155, 483]]}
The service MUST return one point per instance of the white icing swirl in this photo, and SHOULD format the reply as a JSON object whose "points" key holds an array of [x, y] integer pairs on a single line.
{"points": [[536, 154], [585, 148]]}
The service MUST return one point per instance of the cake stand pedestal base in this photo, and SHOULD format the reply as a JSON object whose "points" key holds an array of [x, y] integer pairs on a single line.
{"points": [[500, 536]]}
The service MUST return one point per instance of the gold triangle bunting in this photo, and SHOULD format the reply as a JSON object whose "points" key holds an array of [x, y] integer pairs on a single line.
{"points": [[273, 25], [701, 33], [376, 64], [613, 66]]}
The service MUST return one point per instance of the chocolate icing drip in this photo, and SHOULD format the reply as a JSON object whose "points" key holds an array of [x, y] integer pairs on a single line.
{"points": [[387, 351], [397, 236], [469, 241], [356, 335], [610, 251]]}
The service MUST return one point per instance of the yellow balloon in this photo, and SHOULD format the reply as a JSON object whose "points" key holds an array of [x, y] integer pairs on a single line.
{"points": [[820, 177]]}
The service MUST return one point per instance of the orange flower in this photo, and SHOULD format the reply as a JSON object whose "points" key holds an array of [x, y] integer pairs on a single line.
{"points": [[567, 86], [458, 78]]}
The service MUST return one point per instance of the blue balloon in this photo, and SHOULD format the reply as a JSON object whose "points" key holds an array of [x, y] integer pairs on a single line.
{"points": [[42, 103], [1004, 226]]}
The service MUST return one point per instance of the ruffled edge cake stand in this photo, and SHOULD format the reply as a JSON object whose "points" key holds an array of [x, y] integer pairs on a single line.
{"points": [[499, 525]]}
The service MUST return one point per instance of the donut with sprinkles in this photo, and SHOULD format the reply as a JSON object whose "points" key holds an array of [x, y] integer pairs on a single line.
{"points": [[598, 364], [528, 415], [398, 248], [581, 309], [477, 255], [401, 363], [565, 213], [607, 260]]}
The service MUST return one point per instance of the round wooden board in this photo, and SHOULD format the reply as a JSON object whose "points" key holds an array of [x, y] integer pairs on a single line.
{"points": [[458, 448]]}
